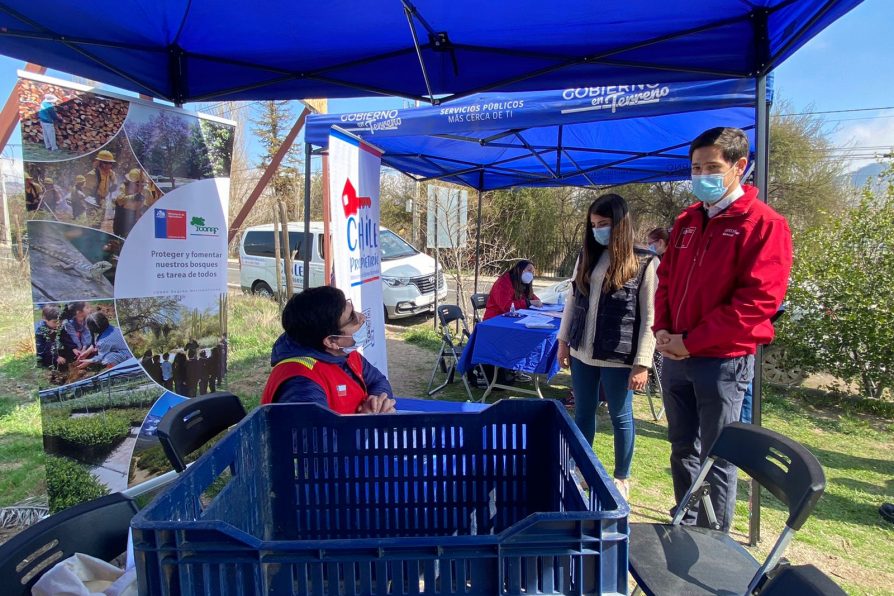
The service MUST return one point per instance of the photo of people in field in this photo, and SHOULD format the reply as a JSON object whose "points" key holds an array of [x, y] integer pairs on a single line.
{"points": [[180, 341]]}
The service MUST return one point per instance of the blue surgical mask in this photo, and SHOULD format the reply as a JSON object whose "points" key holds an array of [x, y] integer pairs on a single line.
{"points": [[527, 277], [360, 338], [709, 188], [602, 235]]}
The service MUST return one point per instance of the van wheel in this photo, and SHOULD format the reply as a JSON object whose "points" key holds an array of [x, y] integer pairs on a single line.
{"points": [[262, 289]]}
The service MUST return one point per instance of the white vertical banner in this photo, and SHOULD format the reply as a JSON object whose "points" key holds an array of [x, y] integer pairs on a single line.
{"points": [[354, 168]]}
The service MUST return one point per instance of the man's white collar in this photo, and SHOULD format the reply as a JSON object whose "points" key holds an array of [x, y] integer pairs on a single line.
{"points": [[725, 202]]}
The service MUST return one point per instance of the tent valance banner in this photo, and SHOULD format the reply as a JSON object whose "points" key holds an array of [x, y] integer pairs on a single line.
{"points": [[354, 168], [503, 111], [126, 209]]}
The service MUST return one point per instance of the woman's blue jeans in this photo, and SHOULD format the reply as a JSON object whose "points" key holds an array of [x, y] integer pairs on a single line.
{"points": [[585, 380]]}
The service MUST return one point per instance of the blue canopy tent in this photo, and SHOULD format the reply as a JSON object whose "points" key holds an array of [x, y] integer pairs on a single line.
{"points": [[429, 50], [200, 50]]}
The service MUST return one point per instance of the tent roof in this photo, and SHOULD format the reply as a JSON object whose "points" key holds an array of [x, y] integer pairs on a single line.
{"points": [[199, 50], [586, 137]]}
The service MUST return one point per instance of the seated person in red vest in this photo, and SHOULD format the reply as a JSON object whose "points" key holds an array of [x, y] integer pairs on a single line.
{"points": [[316, 359], [513, 288]]}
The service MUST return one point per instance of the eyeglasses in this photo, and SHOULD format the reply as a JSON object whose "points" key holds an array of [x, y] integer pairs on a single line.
{"points": [[354, 319]]}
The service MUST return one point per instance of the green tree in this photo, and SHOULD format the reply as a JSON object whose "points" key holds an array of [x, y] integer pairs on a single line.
{"points": [[842, 294], [272, 122], [807, 182]]}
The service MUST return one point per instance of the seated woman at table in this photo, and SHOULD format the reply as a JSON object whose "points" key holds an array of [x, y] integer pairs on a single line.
{"points": [[316, 359], [512, 288], [606, 331]]}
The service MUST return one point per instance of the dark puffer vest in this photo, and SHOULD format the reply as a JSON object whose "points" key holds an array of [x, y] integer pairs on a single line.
{"points": [[617, 318]]}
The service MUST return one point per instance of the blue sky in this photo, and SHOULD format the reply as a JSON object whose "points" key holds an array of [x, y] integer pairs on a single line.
{"points": [[845, 67]]}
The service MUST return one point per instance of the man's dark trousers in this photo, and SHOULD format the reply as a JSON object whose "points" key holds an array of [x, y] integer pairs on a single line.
{"points": [[701, 396]]}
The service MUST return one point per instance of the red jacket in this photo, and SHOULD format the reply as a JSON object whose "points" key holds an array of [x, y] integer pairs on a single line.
{"points": [[343, 393], [501, 296], [722, 279]]}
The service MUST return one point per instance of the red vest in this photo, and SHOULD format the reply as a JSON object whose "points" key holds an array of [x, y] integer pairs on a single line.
{"points": [[343, 393]]}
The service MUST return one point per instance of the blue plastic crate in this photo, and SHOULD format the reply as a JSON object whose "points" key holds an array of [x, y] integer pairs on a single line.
{"points": [[510, 500]]}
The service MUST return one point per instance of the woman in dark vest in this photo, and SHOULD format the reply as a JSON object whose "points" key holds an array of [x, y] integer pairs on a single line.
{"points": [[606, 335]]}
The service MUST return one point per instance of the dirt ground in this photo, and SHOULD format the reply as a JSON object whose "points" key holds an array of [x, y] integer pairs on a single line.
{"points": [[409, 366]]}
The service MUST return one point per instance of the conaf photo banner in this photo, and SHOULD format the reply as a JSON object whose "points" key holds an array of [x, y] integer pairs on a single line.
{"points": [[126, 204]]}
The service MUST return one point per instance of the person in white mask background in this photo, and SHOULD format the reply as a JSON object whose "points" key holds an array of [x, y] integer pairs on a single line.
{"points": [[317, 358], [605, 336], [512, 289], [723, 277]]}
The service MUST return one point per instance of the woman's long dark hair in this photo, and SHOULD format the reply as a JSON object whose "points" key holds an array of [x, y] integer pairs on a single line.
{"points": [[518, 287], [623, 263]]}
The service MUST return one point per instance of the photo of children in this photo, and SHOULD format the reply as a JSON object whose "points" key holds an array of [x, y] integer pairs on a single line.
{"points": [[180, 340], [91, 428], [177, 148], [77, 340], [107, 190], [60, 123], [70, 262]]}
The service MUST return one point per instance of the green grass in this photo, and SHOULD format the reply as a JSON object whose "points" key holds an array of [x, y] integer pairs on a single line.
{"points": [[21, 452], [424, 336]]}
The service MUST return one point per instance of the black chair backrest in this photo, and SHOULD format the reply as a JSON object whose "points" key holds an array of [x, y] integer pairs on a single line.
{"points": [[479, 301], [98, 528], [449, 313], [192, 423], [783, 466], [803, 580]]}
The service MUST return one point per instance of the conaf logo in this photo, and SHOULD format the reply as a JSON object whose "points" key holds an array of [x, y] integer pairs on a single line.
{"points": [[201, 229]]}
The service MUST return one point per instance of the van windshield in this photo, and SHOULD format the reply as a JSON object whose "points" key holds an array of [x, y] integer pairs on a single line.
{"points": [[394, 247]]}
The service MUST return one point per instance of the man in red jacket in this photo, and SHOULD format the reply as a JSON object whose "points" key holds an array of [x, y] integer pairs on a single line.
{"points": [[722, 278]]}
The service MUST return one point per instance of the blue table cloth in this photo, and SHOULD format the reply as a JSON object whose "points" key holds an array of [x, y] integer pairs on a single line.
{"points": [[504, 342]]}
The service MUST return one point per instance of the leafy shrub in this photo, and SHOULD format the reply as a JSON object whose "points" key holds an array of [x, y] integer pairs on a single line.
{"points": [[841, 297], [99, 430], [69, 483]]}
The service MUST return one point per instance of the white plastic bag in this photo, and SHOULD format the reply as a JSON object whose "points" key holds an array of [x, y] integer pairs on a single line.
{"points": [[83, 575]]}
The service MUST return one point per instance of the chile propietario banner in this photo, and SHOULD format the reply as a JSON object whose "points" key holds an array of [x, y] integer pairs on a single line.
{"points": [[126, 209], [354, 168]]}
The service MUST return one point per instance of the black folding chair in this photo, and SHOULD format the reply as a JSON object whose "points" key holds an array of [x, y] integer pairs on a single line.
{"points": [[677, 559], [479, 302], [803, 580], [192, 423], [98, 528], [454, 335]]}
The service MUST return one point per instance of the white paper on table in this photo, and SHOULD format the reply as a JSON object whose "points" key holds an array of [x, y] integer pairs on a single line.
{"points": [[549, 308], [536, 322], [530, 312]]}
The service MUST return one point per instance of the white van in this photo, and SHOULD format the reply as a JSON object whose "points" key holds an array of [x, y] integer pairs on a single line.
{"points": [[408, 276]]}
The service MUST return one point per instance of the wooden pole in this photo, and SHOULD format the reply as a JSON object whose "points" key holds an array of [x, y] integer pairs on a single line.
{"points": [[287, 251], [9, 117], [267, 175]]}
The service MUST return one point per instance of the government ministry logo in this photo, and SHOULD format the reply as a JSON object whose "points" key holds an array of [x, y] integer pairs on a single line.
{"points": [[200, 228]]}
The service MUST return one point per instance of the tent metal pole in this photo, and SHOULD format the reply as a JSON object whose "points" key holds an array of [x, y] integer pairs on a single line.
{"points": [[478, 231], [761, 179], [307, 243], [431, 96]]}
